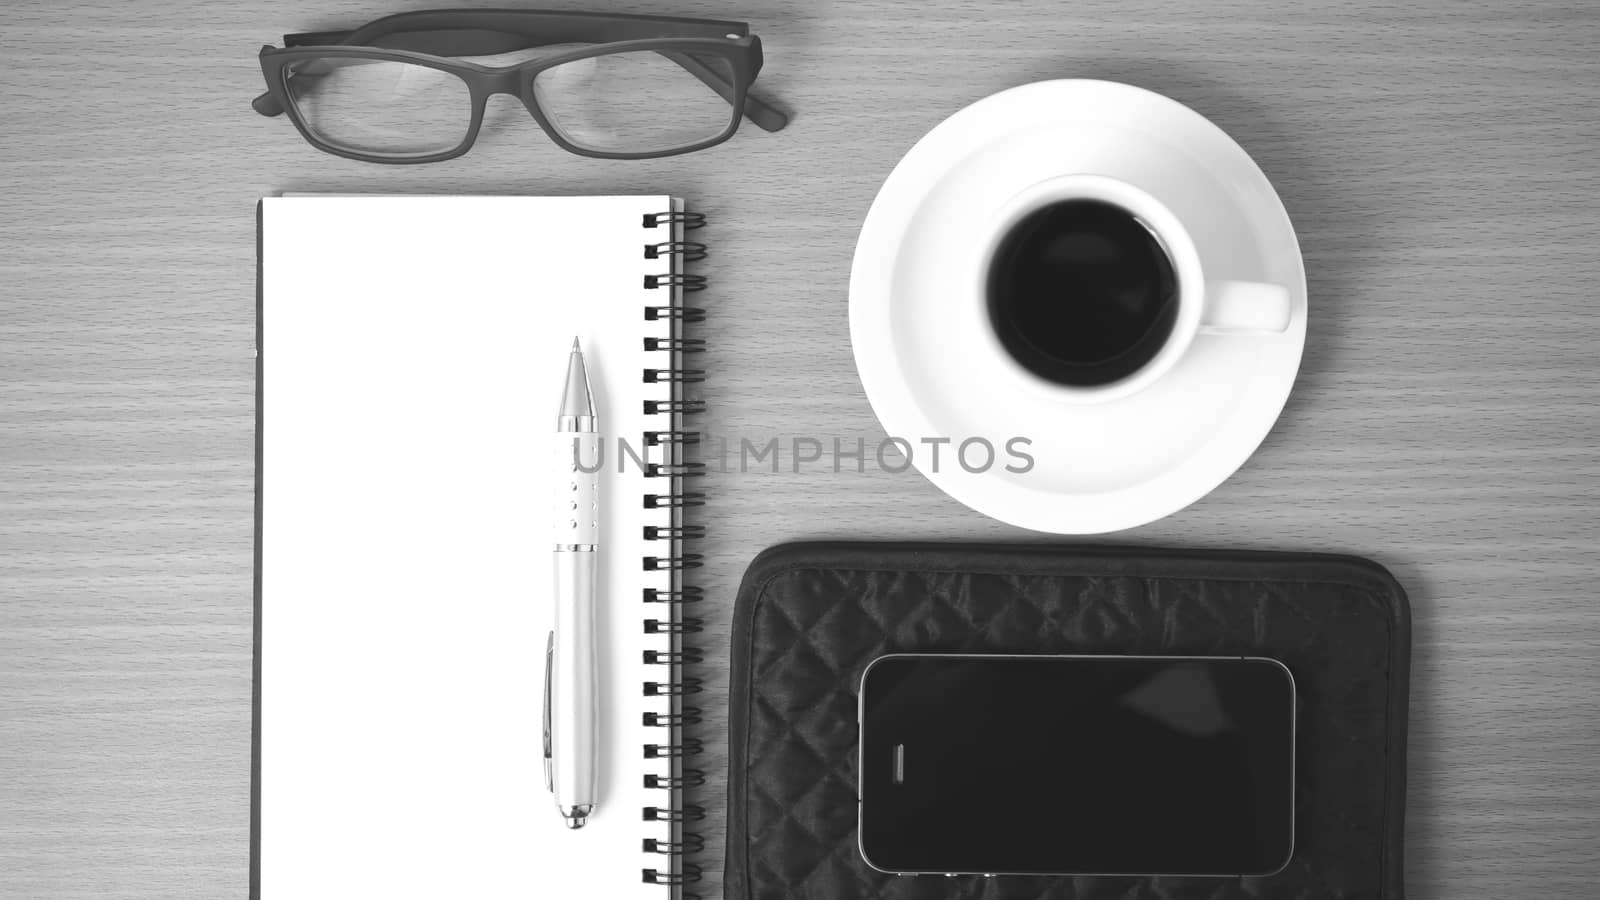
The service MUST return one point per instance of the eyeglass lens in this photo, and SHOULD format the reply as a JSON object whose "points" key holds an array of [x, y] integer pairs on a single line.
{"points": [[382, 107], [636, 102]]}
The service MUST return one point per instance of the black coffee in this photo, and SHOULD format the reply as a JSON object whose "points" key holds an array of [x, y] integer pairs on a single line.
{"points": [[1081, 293]]}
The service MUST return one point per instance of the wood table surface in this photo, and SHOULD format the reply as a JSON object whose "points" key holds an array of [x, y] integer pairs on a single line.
{"points": [[1441, 162]]}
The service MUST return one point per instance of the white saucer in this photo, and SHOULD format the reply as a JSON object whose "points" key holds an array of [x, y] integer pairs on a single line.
{"points": [[1097, 467]]}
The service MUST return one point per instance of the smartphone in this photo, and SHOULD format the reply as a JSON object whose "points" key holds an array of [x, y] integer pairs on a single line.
{"points": [[1077, 765]]}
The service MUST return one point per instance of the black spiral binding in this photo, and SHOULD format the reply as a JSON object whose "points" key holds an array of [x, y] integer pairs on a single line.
{"points": [[667, 607]]}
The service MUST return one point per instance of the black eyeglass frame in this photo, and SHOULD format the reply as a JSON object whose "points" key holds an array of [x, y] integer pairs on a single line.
{"points": [[447, 33]]}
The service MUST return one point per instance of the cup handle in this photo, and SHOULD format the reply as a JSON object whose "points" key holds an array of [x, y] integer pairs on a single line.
{"points": [[1245, 307]]}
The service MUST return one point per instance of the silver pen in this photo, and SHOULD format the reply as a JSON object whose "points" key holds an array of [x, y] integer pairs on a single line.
{"points": [[571, 689]]}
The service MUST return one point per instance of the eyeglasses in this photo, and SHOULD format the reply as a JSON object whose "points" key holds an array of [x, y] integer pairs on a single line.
{"points": [[412, 88]]}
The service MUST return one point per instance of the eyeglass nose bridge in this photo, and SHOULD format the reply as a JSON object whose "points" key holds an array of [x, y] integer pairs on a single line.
{"points": [[508, 81], [511, 82]]}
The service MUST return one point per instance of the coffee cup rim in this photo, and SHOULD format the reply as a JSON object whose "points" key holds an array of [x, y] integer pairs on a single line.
{"points": [[1168, 232]]}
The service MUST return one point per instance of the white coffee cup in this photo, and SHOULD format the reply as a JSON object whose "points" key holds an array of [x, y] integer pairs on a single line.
{"points": [[1206, 306]]}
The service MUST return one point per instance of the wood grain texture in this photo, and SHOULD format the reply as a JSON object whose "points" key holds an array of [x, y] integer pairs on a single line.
{"points": [[1441, 162]]}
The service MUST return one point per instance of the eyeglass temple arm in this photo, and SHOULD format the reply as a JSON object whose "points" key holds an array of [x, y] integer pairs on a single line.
{"points": [[766, 116]]}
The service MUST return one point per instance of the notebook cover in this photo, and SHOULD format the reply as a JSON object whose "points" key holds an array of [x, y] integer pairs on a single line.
{"points": [[811, 616]]}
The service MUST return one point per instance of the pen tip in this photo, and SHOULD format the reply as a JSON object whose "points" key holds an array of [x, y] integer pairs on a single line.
{"points": [[575, 347], [578, 815]]}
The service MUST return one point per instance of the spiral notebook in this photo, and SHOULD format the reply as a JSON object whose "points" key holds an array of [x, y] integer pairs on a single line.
{"points": [[411, 355]]}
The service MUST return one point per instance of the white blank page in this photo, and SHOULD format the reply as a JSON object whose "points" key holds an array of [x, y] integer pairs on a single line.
{"points": [[413, 354]]}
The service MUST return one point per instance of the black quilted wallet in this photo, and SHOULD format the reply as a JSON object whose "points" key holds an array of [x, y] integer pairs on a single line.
{"points": [[811, 616]]}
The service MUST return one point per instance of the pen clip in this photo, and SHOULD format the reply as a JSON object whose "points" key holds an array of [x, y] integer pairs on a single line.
{"points": [[549, 658]]}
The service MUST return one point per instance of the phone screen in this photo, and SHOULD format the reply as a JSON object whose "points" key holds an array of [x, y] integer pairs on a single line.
{"points": [[1077, 765]]}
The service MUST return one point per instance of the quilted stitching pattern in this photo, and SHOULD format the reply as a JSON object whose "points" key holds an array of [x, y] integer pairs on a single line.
{"points": [[814, 630]]}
